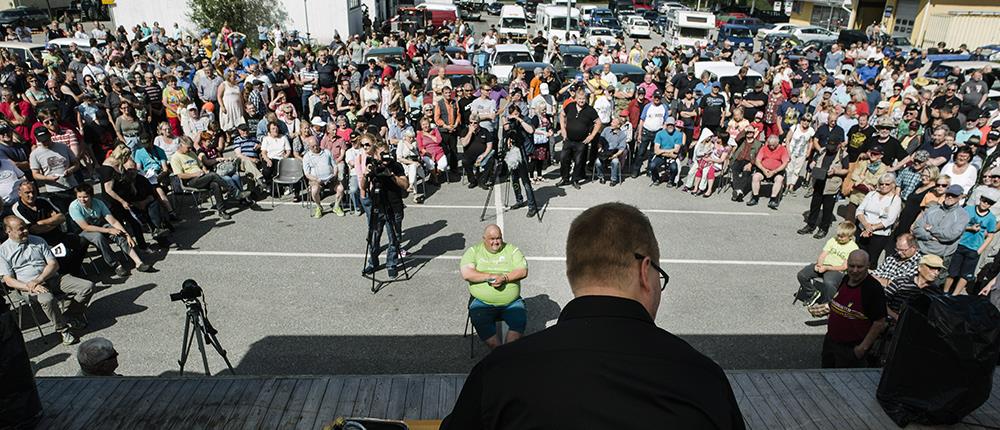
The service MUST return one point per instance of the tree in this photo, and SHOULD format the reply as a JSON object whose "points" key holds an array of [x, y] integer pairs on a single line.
{"points": [[241, 15]]}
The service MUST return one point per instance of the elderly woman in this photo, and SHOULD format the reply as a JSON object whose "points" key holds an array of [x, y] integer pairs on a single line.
{"points": [[165, 140], [876, 215], [961, 171], [429, 144], [408, 154], [865, 176]]}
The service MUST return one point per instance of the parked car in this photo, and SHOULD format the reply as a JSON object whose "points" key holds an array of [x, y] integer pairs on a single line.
{"points": [[593, 35], [738, 35], [637, 27], [394, 55], [754, 24], [671, 5], [778, 28], [634, 73], [775, 40], [32, 17], [725, 72], [494, 8], [811, 33], [503, 59], [614, 25], [24, 51], [572, 57], [901, 42], [469, 13], [459, 75]]}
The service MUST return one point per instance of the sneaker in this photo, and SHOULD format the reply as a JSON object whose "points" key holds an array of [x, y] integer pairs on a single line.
{"points": [[813, 299], [773, 204], [602, 181], [338, 211], [318, 212], [224, 215], [121, 271], [806, 230], [532, 212], [613, 183], [368, 270], [392, 272], [518, 205], [145, 268], [821, 233], [359, 213], [68, 338], [753, 201]]}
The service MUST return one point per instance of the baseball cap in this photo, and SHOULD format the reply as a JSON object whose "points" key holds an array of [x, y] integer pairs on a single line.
{"points": [[243, 127], [317, 121], [990, 194], [657, 94], [670, 121], [876, 149], [921, 156], [955, 190], [882, 105], [994, 135], [931, 260], [42, 134], [544, 89]]}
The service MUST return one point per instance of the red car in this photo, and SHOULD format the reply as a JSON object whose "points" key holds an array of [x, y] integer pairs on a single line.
{"points": [[459, 75]]}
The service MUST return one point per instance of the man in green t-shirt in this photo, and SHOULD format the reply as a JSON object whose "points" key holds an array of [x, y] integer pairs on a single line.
{"points": [[494, 271]]}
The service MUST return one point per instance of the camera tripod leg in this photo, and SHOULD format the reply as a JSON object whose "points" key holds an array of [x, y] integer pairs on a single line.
{"points": [[212, 339], [185, 343], [199, 333]]}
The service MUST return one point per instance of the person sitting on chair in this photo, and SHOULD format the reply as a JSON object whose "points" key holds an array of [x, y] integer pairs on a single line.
{"points": [[666, 148], [97, 223], [321, 171], [772, 159], [615, 141], [192, 172], [829, 267], [28, 266], [44, 220], [494, 271]]}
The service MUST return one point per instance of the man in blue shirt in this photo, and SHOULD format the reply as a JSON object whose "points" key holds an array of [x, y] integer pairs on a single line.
{"points": [[974, 241], [99, 227], [666, 147], [869, 71], [614, 144]]}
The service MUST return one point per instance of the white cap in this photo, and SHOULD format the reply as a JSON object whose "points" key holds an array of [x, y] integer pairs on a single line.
{"points": [[318, 121], [544, 89]]}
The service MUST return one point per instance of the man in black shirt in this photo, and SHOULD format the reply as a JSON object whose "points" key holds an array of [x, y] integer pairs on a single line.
{"points": [[382, 191], [325, 70], [538, 43], [579, 128], [605, 364], [376, 123], [859, 137], [755, 101], [892, 151], [713, 109]]}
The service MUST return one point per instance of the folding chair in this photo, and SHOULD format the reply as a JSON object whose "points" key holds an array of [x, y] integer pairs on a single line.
{"points": [[178, 188], [18, 302], [289, 173]]}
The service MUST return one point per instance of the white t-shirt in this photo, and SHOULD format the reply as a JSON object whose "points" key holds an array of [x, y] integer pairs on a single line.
{"points": [[10, 179], [350, 156], [603, 107], [653, 116], [966, 180], [318, 164], [274, 146], [800, 141]]}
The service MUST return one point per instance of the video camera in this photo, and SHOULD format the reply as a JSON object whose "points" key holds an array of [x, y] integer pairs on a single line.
{"points": [[190, 290], [380, 166]]}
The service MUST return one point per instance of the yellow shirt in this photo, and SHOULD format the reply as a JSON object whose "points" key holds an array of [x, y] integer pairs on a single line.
{"points": [[185, 163], [836, 254]]}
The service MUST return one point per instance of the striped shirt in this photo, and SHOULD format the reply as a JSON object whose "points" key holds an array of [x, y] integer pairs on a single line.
{"points": [[308, 75], [247, 146], [893, 267]]}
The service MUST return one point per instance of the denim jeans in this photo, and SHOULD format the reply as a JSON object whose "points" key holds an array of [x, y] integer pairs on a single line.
{"points": [[377, 222], [831, 280], [616, 169]]}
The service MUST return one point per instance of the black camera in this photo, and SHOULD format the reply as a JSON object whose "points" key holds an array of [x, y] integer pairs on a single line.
{"points": [[190, 290], [380, 166]]}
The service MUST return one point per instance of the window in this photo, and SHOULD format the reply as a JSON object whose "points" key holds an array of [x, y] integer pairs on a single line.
{"points": [[827, 17], [353, 4]]}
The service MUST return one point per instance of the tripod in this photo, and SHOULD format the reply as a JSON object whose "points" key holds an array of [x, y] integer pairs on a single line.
{"points": [[381, 207], [496, 164], [197, 326]]}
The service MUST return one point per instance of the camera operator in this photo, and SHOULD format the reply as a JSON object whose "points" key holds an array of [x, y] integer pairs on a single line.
{"points": [[384, 183], [516, 130]]}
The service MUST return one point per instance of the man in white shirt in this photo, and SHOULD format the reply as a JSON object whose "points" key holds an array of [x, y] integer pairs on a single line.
{"points": [[320, 170]]}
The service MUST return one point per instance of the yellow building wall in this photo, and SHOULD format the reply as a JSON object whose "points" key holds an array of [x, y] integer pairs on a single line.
{"points": [[941, 7], [804, 16]]}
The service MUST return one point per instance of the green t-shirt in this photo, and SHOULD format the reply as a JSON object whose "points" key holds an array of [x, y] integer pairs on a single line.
{"points": [[836, 254], [508, 259]]}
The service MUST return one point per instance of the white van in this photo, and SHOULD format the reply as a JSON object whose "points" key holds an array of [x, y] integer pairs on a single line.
{"points": [[513, 23], [689, 28], [505, 57], [552, 20]]}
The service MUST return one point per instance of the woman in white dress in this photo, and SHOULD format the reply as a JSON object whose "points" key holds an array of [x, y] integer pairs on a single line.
{"points": [[230, 104]]}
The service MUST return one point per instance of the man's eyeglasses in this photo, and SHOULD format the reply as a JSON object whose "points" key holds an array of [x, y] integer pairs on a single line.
{"points": [[941, 185], [664, 277]]}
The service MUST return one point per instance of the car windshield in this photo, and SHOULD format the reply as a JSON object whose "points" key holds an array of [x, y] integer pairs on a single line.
{"points": [[741, 32], [600, 32], [573, 60], [559, 23], [612, 23], [701, 33], [512, 57], [513, 23]]}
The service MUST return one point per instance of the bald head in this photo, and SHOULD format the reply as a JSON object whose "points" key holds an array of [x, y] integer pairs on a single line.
{"points": [[493, 238]]}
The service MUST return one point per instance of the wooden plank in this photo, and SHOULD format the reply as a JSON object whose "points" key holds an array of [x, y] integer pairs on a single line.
{"points": [[363, 404], [348, 397], [90, 406], [43, 385], [849, 387], [414, 396], [311, 406], [137, 402], [380, 397], [210, 405], [847, 398], [293, 410], [825, 406], [773, 402], [278, 404], [328, 407], [170, 401], [81, 400], [53, 413], [849, 409], [397, 398], [248, 414], [750, 416], [432, 398], [125, 390], [240, 395], [799, 408], [52, 395], [448, 396], [191, 404], [756, 400]]}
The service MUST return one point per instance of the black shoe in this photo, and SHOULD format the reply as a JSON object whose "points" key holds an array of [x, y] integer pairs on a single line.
{"points": [[753, 201], [806, 230], [562, 183], [613, 183], [224, 215], [773, 204], [392, 272], [368, 270], [518, 205], [297, 199], [121, 271], [635, 174], [602, 181], [246, 202], [472, 185], [576, 185], [532, 212], [739, 197], [145, 268], [820, 234]]}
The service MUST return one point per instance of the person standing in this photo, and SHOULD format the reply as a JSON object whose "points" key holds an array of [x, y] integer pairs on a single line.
{"points": [[974, 242], [642, 373], [579, 128], [447, 118], [828, 176], [939, 228], [651, 121], [386, 206], [857, 316]]}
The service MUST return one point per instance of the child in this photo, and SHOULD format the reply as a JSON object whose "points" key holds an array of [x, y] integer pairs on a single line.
{"points": [[711, 164], [818, 282]]}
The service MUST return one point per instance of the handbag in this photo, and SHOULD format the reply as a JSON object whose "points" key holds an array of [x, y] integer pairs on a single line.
{"points": [[226, 167]]}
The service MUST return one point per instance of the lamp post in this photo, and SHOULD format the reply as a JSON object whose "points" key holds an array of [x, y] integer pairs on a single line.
{"points": [[305, 10]]}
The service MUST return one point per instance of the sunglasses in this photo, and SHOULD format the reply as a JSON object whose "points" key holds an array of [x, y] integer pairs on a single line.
{"points": [[941, 185]]}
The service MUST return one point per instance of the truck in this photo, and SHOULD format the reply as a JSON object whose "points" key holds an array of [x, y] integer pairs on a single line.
{"points": [[513, 23], [552, 21], [690, 28]]}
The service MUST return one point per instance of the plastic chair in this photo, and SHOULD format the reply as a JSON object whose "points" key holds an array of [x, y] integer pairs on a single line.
{"points": [[177, 187], [289, 173], [18, 301]]}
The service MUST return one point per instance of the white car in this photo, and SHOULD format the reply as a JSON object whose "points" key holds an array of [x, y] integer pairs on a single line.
{"points": [[595, 35], [812, 34], [585, 12], [778, 28], [670, 5], [636, 26], [505, 57]]}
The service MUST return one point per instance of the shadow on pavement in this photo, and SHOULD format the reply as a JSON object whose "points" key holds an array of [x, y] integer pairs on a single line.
{"points": [[49, 361], [105, 311]]}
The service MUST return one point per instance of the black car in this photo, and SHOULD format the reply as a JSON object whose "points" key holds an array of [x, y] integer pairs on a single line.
{"points": [[494, 8], [32, 17], [571, 57], [634, 73], [529, 73]]}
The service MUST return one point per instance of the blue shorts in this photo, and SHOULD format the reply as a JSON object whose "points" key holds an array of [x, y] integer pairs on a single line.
{"points": [[484, 317]]}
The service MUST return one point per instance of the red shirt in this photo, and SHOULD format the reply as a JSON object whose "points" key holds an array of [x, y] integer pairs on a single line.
{"points": [[853, 310], [24, 109], [771, 159]]}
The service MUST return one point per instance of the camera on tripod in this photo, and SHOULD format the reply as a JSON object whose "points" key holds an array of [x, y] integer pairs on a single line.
{"points": [[190, 290]]}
